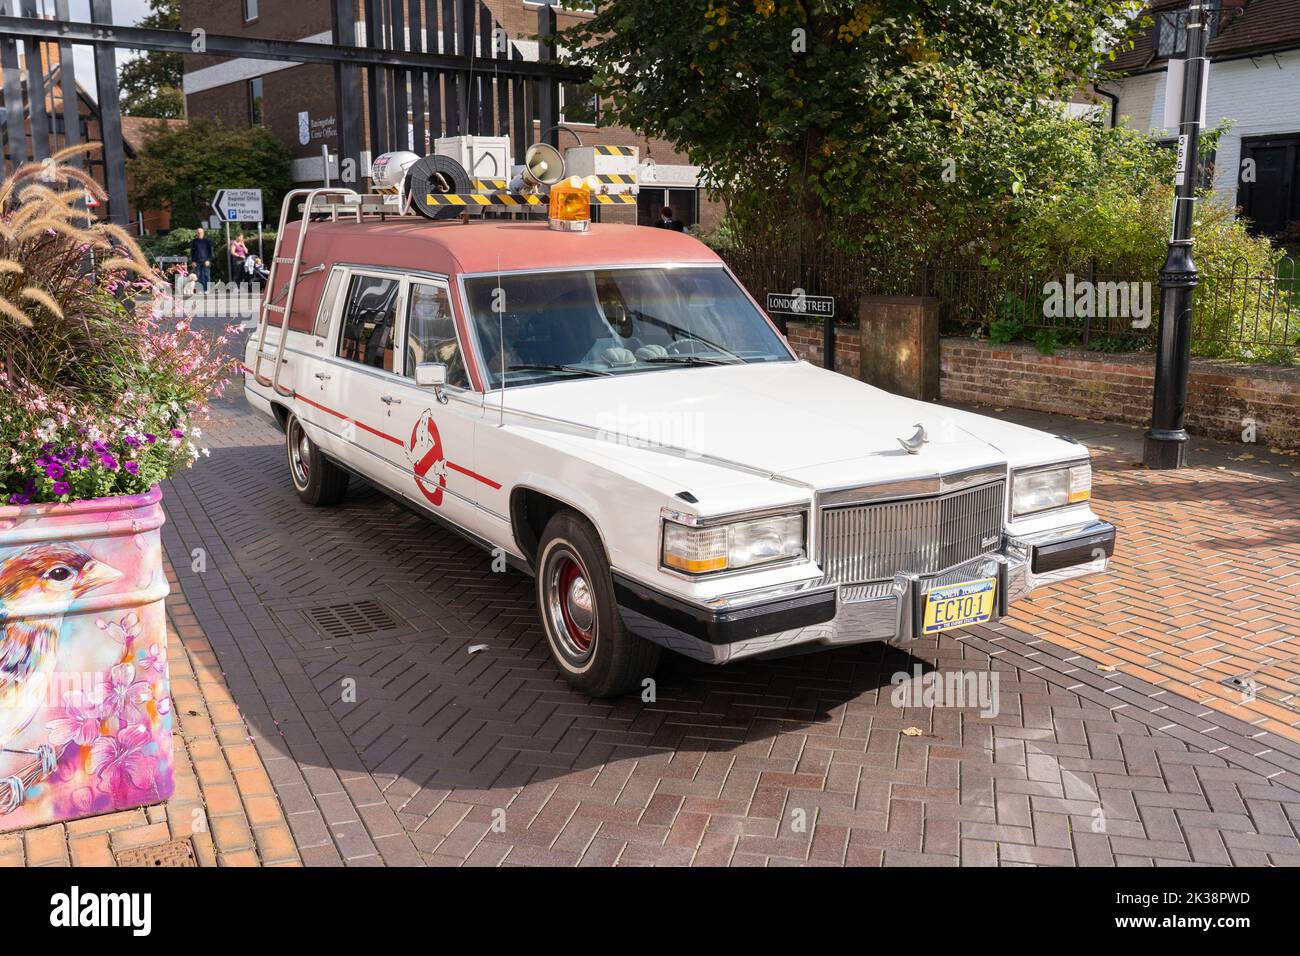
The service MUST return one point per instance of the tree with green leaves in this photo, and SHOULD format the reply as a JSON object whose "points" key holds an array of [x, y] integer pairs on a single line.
{"points": [[150, 84], [182, 167], [906, 114]]}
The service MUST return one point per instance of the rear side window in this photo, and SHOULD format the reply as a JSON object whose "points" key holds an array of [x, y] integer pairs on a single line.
{"points": [[369, 322], [431, 332], [326, 310]]}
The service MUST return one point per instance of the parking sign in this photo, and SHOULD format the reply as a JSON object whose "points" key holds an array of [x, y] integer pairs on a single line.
{"points": [[239, 205]]}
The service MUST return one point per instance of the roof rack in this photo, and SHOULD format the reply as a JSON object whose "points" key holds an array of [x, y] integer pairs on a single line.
{"points": [[386, 205]]}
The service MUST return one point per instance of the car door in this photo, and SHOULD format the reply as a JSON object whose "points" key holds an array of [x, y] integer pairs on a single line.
{"points": [[357, 390], [434, 463]]}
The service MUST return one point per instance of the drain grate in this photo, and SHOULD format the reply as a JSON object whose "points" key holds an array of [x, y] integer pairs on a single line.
{"points": [[349, 620], [172, 853]]}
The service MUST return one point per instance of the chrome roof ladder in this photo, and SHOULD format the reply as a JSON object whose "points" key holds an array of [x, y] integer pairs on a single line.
{"points": [[349, 201]]}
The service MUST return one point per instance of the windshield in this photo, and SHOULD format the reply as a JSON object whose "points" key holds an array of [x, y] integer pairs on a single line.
{"points": [[548, 326]]}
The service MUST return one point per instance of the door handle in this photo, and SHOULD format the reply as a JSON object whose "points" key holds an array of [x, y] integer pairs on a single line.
{"points": [[389, 400], [322, 376]]}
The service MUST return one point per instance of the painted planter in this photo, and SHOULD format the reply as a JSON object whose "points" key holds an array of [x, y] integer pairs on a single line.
{"points": [[85, 701]]}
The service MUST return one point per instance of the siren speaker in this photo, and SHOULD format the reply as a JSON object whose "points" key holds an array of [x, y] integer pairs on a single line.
{"points": [[543, 166]]}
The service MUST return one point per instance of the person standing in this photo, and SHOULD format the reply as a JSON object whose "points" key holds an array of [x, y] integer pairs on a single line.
{"points": [[238, 253], [668, 221], [201, 257]]}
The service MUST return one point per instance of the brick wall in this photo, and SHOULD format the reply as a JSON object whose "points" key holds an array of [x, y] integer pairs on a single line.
{"points": [[1221, 395]]}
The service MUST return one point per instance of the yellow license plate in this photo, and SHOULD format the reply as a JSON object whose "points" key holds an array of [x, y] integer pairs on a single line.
{"points": [[959, 605]]}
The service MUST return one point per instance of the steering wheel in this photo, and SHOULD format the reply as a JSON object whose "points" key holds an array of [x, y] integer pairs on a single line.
{"points": [[688, 347]]}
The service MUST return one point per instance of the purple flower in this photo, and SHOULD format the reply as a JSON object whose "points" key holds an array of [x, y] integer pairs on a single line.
{"points": [[132, 467], [150, 438], [178, 433], [29, 487], [62, 488], [124, 695], [16, 499], [99, 446], [122, 759], [80, 720], [108, 461], [132, 441], [54, 470], [83, 462]]}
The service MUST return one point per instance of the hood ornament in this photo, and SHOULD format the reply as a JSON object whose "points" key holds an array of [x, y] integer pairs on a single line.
{"points": [[913, 445]]}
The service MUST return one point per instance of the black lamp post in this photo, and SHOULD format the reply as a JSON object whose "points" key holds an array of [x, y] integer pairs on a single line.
{"points": [[1166, 440]]}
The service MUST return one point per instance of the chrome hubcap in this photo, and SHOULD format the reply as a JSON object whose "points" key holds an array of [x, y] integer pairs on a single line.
{"points": [[299, 454], [570, 604]]}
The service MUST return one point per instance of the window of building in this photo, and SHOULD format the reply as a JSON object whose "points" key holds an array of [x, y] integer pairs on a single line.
{"points": [[431, 333], [579, 104], [684, 202], [255, 101], [1170, 34], [250, 10], [369, 321]]}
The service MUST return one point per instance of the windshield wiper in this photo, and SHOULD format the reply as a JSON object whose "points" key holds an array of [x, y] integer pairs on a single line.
{"points": [[571, 369], [689, 360]]}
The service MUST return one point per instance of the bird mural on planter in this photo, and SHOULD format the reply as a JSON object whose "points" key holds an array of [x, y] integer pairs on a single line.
{"points": [[38, 584]]}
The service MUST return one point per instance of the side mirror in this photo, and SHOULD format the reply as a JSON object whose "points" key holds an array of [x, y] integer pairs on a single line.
{"points": [[431, 375]]}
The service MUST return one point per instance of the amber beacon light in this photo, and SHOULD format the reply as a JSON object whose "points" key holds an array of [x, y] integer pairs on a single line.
{"points": [[570, 208]]}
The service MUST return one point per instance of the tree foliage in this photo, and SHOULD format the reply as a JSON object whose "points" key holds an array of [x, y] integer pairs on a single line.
{"points": [[184, 166], [150, 84], [853, 108]]}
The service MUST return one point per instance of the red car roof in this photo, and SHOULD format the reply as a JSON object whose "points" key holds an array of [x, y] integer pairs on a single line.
{"points": [[487, 245], [454, 248]]}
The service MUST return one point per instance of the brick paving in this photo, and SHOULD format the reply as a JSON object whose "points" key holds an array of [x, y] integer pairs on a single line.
{"points": [[344, 635], [1206, 581], [223, 809]]}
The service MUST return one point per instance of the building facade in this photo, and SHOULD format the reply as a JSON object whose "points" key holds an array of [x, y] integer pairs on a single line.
{"points": [[1254, 84], [297, 102]]}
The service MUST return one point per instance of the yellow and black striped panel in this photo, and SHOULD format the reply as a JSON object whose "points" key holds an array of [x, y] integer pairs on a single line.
{"points": [[483, 199], [488, 185], [615, 150], [512, 199], [621, 179]]}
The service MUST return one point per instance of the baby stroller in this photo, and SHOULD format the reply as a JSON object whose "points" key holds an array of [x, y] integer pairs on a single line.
{"points": [[255, 269]]}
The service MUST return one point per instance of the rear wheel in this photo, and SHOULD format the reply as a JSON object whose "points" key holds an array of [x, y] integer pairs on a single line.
{"points": [[317, 480], [575, 596]]}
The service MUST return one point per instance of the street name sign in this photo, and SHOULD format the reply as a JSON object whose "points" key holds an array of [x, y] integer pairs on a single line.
{"points": [[821, 306]]}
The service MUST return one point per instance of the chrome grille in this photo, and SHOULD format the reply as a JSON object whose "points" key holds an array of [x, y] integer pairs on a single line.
{"points": [[873, 542]]}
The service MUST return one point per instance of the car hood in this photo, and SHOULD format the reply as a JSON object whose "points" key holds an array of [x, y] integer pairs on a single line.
{"points": [[788, 419]]}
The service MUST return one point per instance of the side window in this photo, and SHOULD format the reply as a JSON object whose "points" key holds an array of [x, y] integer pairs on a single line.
{"points": [[369, 321], [326, 310], [431, 333]]}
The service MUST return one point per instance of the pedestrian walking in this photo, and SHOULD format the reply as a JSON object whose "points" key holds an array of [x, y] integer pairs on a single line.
{"points": [[201, 258], [238, 253], [668, 221]]}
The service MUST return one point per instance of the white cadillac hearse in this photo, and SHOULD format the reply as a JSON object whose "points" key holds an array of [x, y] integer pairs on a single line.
{"points": [[611, 409]]}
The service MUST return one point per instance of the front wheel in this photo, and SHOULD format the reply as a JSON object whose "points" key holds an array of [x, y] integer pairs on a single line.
{"points": [[317, 480], [575, 597]]}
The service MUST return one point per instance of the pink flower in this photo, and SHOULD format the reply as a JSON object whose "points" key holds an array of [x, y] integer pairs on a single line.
{"points": [[125, 695], [156, 658], [82, 714], [122, 760]]}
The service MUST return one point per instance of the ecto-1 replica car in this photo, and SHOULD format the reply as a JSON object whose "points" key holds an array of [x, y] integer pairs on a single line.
{"points": [[608, 407]]}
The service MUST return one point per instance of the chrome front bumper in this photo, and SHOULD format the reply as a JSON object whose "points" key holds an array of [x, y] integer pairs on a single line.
{"points": [[886, 611]]}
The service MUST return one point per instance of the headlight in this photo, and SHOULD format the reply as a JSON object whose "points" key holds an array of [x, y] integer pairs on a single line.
{"points": [[1046, 488], [733, 545]]}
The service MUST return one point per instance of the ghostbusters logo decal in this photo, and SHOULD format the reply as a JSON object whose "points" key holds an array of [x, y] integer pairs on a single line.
{"points": [[424, 450]]}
